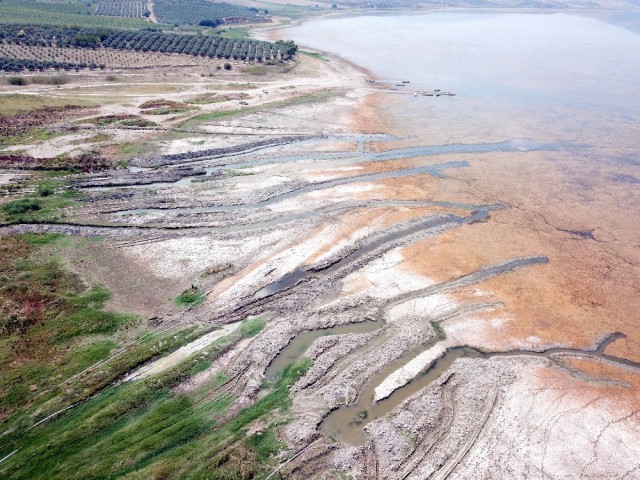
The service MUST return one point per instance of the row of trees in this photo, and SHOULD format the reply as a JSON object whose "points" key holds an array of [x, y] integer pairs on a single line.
{"points": [[149, 40], [68, 7], [201, 45], [121, 8], [194, 11], [19, 65], [53, 36]]}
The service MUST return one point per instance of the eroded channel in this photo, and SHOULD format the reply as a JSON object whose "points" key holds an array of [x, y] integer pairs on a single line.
{"points": [[346, 423], [301, 343]]}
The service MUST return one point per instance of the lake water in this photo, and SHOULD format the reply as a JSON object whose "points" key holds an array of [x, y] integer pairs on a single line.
{"points": [[524, 57], [549, 77]]}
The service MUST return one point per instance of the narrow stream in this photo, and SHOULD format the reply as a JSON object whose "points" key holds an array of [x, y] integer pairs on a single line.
{"points": [[301, 343]]}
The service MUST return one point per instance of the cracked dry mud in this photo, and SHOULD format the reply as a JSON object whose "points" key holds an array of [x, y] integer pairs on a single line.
{"points": [[381, 258]]}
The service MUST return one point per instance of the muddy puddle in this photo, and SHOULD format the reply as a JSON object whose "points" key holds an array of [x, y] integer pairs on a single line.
{"points": [[346, 423], [301, 343]]}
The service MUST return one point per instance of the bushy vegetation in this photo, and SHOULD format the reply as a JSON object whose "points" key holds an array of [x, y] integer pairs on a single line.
{"points": [[75, 7], [122, 8], [21, 64], [141, 429], [165, 434], [194, 11], [15, 81], [42, 308], [19, 207]]}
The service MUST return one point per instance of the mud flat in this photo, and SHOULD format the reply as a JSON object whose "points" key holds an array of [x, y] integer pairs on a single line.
{"points": [[460, 278]]}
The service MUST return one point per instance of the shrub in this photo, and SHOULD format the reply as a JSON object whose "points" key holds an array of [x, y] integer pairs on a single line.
{"points": [[227, 66], [44, 190], [17, 81], [18, 207]]}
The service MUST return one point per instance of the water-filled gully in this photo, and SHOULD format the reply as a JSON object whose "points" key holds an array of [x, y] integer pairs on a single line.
{"points": [[346, 423]]}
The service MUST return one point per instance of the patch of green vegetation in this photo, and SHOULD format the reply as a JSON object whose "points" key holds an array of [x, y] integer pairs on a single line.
{"points": [[80, 357], [40, 209], [252, 326], [132, 149], [32, 135], [234, 33], [98, 138], [314, 97], [88, 317], [438, 330], [44, 306], [18, 103], [265, 444], [44, 190], [146, 429], [19, 207], [237, 173], [293, 12], [210, 117], [190, 298], [317, 55], [208, 98], [138, 122], [232, 86], [49, 79], [41, 238], [17, 81], [169, 110], [257, 70]]}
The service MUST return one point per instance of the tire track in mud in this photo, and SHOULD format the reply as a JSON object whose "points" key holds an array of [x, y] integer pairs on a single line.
{"points": [[434, 169], [180, 174], [169, 231], [363, 252]]}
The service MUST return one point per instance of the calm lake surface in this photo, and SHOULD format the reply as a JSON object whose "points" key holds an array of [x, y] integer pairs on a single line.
{"points": [[543, 76], [526, 56]]}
